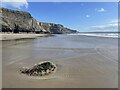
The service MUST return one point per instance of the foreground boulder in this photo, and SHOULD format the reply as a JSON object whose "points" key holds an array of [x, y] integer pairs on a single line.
{"points": [[40, 69]]}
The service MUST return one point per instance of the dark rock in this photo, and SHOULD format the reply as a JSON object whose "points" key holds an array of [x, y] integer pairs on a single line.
{"points": [[40, 69]]}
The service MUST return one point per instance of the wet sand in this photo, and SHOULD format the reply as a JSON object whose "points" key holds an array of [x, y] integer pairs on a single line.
{"points": [[82, 62]]}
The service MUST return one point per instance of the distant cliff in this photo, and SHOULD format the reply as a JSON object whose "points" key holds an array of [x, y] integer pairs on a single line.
{"points": [[55, 28], [19, 21]]}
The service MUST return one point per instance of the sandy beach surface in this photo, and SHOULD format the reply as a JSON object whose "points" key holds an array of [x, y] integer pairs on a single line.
{"points": [[11, 36], [82, 62]]}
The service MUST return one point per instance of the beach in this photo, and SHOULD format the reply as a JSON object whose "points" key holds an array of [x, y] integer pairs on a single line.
{"points": [[12, 36], [82, 61]]}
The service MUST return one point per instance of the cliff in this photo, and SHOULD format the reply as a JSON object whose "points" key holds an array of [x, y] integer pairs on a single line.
{"points": [[19, 21], [55, 28]]}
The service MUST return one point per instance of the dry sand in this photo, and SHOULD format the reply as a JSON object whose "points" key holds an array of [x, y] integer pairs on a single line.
{"points": [[82, 63], [11, 36]]}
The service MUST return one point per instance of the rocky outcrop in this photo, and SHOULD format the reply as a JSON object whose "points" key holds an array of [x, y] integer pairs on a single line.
{"points": [[18, 21]]}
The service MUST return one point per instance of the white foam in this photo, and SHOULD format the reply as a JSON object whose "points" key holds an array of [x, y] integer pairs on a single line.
{"points": [[112, 35]]}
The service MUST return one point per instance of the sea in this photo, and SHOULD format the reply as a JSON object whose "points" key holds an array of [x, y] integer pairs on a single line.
{"points": [[99, 34]]}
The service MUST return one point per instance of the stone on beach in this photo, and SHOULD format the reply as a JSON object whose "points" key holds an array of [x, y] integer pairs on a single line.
{"points": [[40, 69]]}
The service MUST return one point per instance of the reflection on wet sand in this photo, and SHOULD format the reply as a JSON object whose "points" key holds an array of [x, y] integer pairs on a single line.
{"points": [[84, 62]]}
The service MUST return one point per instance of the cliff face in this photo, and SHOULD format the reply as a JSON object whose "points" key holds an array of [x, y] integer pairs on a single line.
{"points": [[19, 21], [55, 28]]}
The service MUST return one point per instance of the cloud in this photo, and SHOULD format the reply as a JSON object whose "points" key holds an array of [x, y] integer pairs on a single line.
{"points": [[87, 16], [110, 26], [115, 21], [15, 3], [100, 10], [107, 27]]}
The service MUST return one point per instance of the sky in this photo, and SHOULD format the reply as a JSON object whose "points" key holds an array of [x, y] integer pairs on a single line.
{"points": [[81, 16]]}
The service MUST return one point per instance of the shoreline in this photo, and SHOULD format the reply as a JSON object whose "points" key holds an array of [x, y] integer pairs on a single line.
{"points": [[11, 36]]}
